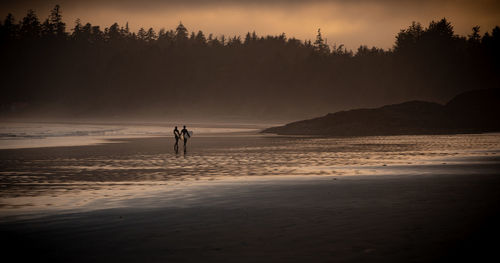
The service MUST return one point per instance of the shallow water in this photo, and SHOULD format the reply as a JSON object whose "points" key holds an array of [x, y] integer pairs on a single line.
{"points": [[91, 176], [16, 135]]}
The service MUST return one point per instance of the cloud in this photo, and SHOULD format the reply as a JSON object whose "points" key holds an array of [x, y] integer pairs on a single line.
{"points": [[140, 5]]}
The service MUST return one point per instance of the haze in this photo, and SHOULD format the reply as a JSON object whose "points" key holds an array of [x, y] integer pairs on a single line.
{"points": [[353, 23]]}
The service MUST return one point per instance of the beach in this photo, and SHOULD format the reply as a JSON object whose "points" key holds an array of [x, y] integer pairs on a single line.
{"points": [[252, 198], [250, 131]]}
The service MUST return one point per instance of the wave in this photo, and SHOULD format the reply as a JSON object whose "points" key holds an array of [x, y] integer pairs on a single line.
{"points": [[40, 134]]}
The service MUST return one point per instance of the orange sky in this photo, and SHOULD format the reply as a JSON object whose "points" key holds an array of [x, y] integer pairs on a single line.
{"points": [[349, 22]]}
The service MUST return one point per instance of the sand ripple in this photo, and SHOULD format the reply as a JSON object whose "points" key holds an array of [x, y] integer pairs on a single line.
{"points": [[25, 173]]}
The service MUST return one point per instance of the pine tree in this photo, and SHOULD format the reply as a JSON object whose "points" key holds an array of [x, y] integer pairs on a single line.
{"points": [[141, 34], [150, 35], [58, 26], [9, 29], [77, 30], [319, 45], [30, 26], [200, 38], [181, 33]]}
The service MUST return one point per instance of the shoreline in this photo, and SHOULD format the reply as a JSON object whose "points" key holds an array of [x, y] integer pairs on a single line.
{"points": [[25, 135]]}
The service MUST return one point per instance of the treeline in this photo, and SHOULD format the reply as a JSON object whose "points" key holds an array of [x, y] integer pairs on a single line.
{"points": [[88, 71]]}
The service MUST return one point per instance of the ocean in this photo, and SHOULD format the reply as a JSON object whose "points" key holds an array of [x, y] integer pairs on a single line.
{"points": [[15, 135]]}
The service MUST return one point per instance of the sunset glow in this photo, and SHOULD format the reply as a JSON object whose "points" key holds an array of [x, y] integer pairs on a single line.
{"points": [[372, 23]]}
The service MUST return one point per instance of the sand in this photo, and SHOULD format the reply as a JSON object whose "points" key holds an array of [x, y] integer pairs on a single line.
{"points": [[436, 212]]}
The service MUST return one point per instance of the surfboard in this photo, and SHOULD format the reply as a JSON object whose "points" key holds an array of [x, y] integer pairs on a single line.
{"points": [[190, 135]]}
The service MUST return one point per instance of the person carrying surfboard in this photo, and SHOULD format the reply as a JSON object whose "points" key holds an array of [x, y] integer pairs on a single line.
{"points": [[185, 134], [177, 136]]}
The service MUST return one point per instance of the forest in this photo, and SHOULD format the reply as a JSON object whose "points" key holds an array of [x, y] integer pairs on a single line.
{"points": [[50, 69]]}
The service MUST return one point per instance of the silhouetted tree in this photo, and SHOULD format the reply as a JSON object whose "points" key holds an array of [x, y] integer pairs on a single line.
{"points": [[96, 35], [320, 45], [117, 71], [440, 30], [200, 39], [30, 26], [9, 29], [407, 38], [365, 51], [181, 34], [475, 37], [77, 30], [126, 30], [150, 35], [113, 33], [142, 34], [248, 39], [85, 33], [54, 27], [166, 37], [223, 40]]}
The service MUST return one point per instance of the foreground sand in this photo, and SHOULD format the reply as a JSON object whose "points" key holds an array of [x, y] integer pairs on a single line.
{"points": [[412, 219], [443, 212]]}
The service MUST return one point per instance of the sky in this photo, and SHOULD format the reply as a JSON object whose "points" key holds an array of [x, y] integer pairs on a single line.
{"points": [[349, 22]]}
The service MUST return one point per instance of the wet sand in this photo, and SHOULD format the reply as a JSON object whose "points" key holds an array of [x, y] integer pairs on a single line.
{"points": [[424, 211]]}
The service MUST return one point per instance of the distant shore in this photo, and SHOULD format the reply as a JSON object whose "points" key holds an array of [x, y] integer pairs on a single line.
{"points": [[470, 112]]}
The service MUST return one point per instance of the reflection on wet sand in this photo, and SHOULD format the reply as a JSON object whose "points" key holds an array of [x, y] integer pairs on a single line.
{"points": [[77, 176]]}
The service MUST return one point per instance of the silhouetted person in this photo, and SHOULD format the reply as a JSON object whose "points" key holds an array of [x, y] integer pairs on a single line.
{"points": [[177, 136], [185, 135]]}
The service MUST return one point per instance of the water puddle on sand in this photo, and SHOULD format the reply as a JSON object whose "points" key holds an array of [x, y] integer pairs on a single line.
{"points": [[104, 176]]}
